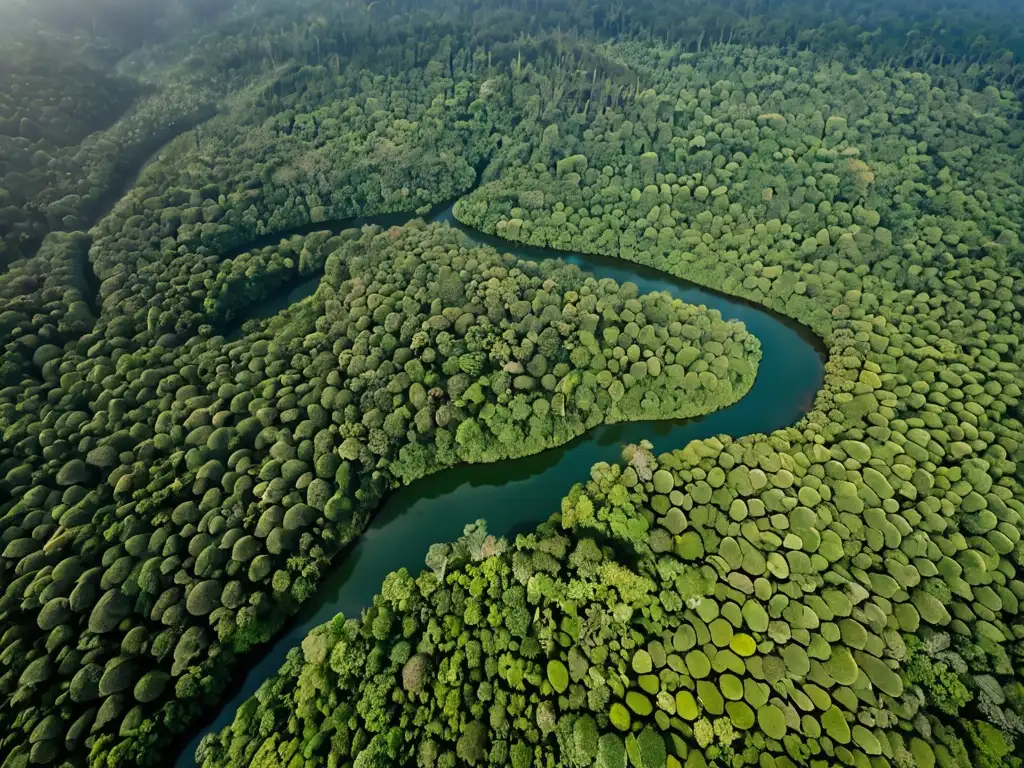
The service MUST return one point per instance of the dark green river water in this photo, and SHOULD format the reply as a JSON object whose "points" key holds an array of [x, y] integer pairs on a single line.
{"points": [[514, 496]]}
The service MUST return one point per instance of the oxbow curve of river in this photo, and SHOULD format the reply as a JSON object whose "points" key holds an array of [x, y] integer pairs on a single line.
{"points": [[518, 494]]}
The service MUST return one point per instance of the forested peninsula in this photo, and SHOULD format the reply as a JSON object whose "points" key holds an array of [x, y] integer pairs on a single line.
{"points": [[179, 471]]}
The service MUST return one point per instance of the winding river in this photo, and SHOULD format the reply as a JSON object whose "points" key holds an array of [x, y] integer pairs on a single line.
{"points": [[516, 495]]}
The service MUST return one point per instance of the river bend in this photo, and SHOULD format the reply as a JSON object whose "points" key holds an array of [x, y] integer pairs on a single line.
{"points": [[516, 495]]}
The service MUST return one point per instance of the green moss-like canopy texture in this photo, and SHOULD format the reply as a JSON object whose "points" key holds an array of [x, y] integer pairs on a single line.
{"points": [[602, 634], [840, 619], [173, 496], [843, 591], [171, 533]]}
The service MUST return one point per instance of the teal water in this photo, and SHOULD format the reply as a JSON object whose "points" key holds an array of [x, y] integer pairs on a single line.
{"points": [[516, 495]]}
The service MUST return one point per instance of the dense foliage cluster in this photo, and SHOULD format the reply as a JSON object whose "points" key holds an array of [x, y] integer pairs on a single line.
{"points": [[48, 104], [883, 208], [334, 146], [174, 503], [71, 137], [986, 34], [45, 304], [614, 635], [59, 100], [843, 591], [785, 180], [874, 547]]}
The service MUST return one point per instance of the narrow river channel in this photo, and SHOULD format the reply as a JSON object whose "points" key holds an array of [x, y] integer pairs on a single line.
{"points": [[516, 495]]}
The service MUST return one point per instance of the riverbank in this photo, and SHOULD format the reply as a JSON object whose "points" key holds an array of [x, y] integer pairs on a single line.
{"points": [[516, 495]]}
